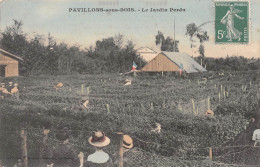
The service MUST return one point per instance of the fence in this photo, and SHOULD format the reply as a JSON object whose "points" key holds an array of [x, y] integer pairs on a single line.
{"points": [[28, 145]]}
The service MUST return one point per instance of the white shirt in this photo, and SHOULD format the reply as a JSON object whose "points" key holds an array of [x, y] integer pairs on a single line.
{"points": [[98, 157]]}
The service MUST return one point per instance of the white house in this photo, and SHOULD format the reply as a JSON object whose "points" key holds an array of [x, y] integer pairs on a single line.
{"points": [[146, 53]]}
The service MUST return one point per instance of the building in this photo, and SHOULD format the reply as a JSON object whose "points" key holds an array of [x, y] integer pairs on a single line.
{"points": [[173, 61], [147, 54], [9, 64]]}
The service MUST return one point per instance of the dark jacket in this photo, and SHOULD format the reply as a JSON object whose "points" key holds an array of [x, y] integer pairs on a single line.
{"points": [[64, 155]]}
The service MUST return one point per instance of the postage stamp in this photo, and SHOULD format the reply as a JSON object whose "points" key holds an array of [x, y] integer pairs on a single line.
{"points": [[232, 22]]}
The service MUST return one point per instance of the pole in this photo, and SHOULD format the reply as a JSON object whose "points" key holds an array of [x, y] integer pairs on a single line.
{"points": [[108, 110], [210, 153], [24, 149], [82, 88], [88, 90], [121, 150], [44, 142], [193, 106], [257, 117], [174, 37], [209, 103]]}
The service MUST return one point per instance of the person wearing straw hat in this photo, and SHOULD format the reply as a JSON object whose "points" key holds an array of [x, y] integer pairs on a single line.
{"points": [[10, 86], [127, 143], [99, 140], [64, 154], [15, 91]]}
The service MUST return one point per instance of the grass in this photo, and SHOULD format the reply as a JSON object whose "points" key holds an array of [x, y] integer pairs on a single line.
{"points": [[133, 109]]}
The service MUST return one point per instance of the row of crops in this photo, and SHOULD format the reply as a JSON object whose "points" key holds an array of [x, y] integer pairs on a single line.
{"points": [[133, 109]]}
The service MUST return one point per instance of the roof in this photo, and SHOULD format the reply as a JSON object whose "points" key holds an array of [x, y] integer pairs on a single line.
{"points": [[189, 64], [145, 50], [146, 53], [5, 53], [148, 57]]}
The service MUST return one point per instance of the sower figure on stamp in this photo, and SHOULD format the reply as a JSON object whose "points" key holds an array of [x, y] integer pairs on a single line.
{"points": [[228, 20]]}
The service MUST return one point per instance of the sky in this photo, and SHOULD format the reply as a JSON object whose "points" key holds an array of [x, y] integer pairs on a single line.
{"points": [[85, 28]]}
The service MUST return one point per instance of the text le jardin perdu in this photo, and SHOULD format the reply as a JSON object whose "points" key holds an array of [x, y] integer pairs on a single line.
{"points": [[126, 10]]}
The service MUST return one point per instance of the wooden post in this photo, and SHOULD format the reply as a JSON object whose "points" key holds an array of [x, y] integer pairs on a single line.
{"points": [[257, 117], [82, 88], [193, 106], [88, 90], [162, 73], [108, 110], [219, 96], [24, 149], [135, 74], [44, 142], [210, 153], [164, 104], [209, 103], [179, 107], [121, 150], [151, 105], [221, 88]]}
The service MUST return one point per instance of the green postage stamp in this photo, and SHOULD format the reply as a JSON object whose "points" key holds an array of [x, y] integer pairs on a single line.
{"points": [[232, 22]]}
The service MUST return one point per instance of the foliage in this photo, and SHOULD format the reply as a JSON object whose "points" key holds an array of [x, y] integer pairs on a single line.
{"points": [[109, 55], [229, 64], [166, 44], [130, 111], [193, 30]]}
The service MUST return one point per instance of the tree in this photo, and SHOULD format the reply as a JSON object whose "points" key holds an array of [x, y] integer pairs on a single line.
{"points": [[109, 55], [13, 39], [167, 44], [118, 40], [193, 30]]}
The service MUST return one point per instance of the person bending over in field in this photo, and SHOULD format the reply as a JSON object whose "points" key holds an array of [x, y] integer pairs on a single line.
{"points": [[64, 154]]}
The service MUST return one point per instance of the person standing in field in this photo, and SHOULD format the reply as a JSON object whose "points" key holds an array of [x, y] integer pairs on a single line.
{"points": [[99, 158], [64, 154]]}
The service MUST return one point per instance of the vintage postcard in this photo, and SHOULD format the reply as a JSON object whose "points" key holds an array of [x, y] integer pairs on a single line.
{"points": [[129, 83]]}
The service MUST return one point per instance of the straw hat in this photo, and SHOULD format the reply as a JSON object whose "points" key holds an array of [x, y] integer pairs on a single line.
{"points": [[127, 142], [209, 113], [99, 139], [59, 85]]}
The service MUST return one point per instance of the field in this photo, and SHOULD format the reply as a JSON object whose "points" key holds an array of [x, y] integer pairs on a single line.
{"points": [[178, 104]]}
